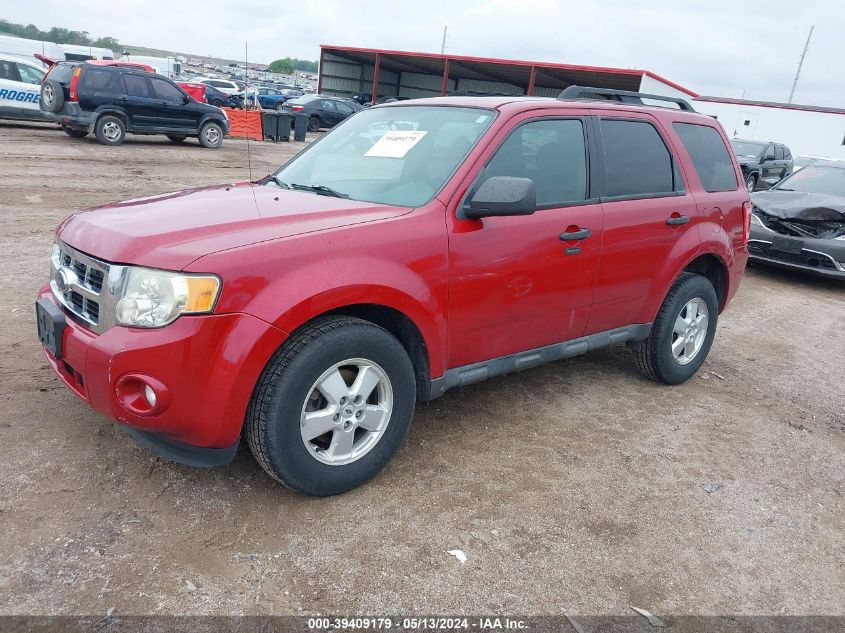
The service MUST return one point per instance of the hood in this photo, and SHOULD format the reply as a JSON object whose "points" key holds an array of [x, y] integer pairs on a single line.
{"points": [[172, 230], [796, 205]]}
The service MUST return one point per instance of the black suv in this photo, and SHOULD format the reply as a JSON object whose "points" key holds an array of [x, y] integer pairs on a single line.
{"points": [[762, 162], [113, 100]]}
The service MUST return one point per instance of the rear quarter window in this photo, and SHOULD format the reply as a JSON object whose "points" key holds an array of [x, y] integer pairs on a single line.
{"points": [[98, 80], [709, 155]]}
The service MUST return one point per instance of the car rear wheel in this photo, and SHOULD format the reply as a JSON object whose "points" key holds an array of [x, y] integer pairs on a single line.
{"points": [[176, 139], [682, 333], [751, 183], [332, 406], [211, 135], [74, 133], [314, 124], [110, 130]]}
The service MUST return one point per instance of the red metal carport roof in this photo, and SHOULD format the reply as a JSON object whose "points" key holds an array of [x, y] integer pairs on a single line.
{"points": [[512, 71]]}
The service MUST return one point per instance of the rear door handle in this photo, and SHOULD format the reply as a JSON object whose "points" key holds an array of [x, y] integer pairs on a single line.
{"points": [[677, 219], [582, 234]]}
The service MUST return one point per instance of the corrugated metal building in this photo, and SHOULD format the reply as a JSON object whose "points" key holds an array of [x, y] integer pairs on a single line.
{"points": [[348, 71]]}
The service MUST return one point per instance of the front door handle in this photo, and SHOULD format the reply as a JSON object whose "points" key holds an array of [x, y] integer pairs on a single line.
{"points": [[677, 219], [581, 234]]}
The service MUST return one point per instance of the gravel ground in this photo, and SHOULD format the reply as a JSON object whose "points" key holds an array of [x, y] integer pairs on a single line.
{"points": [[577, 485]]}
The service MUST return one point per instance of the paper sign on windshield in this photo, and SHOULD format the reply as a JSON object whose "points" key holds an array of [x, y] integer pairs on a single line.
{"points": [[395, 144]]}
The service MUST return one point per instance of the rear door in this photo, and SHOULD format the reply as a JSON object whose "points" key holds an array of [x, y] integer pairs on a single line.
{"points": [[175, 111], [96, 87], [647, 210], [515, 282], [770, 168], [135, 95]]}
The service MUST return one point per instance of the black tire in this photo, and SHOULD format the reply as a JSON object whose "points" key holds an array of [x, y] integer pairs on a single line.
{"points": [[314, 124], [110, 130], [74, 133], [176, 139], [211, 135], [750, 183], [272, 425], [654, 356], [52, 96]]}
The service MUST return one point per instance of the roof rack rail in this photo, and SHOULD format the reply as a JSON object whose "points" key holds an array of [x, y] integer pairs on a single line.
{"points": [[623, 96]]}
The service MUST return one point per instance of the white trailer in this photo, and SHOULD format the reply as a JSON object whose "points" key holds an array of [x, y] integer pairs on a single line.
{"points": [[806, 130], [23, 47], [169, 67]]}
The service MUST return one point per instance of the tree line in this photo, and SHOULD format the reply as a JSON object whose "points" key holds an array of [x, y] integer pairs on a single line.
{"points": [[287, 65], [57, 35]]}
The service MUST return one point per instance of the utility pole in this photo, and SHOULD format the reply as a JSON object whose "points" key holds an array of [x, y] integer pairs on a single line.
{"points": [[800, 64], [443, 45]]}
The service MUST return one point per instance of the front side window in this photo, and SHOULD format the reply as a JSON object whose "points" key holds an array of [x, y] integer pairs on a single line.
{"points": [[136, 85], [709, 155], [745, 149], [344, 109], [400, 155], [770, 153], [167, 91], [552, 153], [636, 159], [327, 105], [29, 74]]}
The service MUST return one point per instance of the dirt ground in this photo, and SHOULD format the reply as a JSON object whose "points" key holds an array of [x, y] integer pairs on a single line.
{"points": [[577, 486]]}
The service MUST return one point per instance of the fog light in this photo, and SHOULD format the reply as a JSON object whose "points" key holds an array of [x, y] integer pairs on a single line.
{"points": [[150, 395]]}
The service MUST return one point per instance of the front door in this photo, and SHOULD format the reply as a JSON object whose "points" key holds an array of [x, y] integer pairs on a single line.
{"points": [[517, 283], [135, 95], [174, 108]]}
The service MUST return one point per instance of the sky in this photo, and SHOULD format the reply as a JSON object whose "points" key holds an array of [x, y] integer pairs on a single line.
{"points": [[722, 48]]}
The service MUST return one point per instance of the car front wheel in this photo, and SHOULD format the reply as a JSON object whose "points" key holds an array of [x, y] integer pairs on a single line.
{"points": [[332, 406], [211, 135], [682, 333], [751, 183]]}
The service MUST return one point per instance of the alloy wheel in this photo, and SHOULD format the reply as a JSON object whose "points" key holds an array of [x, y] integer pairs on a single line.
{"points": [[689, 331], [346, 412]]}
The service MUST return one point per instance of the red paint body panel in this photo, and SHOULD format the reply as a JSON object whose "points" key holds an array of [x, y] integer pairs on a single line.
{"points": [[475, 289]]}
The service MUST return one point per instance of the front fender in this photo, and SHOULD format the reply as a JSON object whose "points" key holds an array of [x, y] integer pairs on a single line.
{"points": [[400, 263]]}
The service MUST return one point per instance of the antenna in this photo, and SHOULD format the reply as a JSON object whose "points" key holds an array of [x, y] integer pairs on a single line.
{"points": [[246, 105], [443, 45], [800, 64]]}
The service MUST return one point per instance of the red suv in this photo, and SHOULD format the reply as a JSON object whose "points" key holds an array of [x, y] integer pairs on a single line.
{"points": [[419, 246]]}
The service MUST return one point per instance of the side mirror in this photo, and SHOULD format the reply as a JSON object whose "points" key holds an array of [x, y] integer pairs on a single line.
{"points": [[502, 195]]}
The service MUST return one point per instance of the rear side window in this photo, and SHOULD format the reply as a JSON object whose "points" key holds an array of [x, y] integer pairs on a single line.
{"points": [[786, 153], [97, 79], [707, 150], [29, 74], [636, 159], [136, 86], [167, 91]]}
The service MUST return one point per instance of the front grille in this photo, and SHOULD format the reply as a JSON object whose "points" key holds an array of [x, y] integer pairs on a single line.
{"points": [[82, 296], [804, 258]]}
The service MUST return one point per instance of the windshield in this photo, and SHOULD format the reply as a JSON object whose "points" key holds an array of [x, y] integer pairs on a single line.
{"points": [[816, 179], [743, 148], [395, 155]]}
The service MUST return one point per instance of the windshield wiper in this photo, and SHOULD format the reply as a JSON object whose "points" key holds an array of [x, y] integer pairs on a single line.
{"points": [[782, 189], [276, 180], [319, 189]]}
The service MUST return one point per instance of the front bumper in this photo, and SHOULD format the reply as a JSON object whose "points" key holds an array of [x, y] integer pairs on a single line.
{"points": [[825, 258], [208, 365]]}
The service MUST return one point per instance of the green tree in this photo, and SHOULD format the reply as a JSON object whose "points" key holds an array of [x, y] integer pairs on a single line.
{"points": [[281, 66], [108, 42]]}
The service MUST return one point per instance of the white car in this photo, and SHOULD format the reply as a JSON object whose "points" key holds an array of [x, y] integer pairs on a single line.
{"points": [[20, 88], [223, 85]]}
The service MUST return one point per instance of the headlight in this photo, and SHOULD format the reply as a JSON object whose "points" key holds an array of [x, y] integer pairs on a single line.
{"points": [[756, 220], [154, 298]]}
